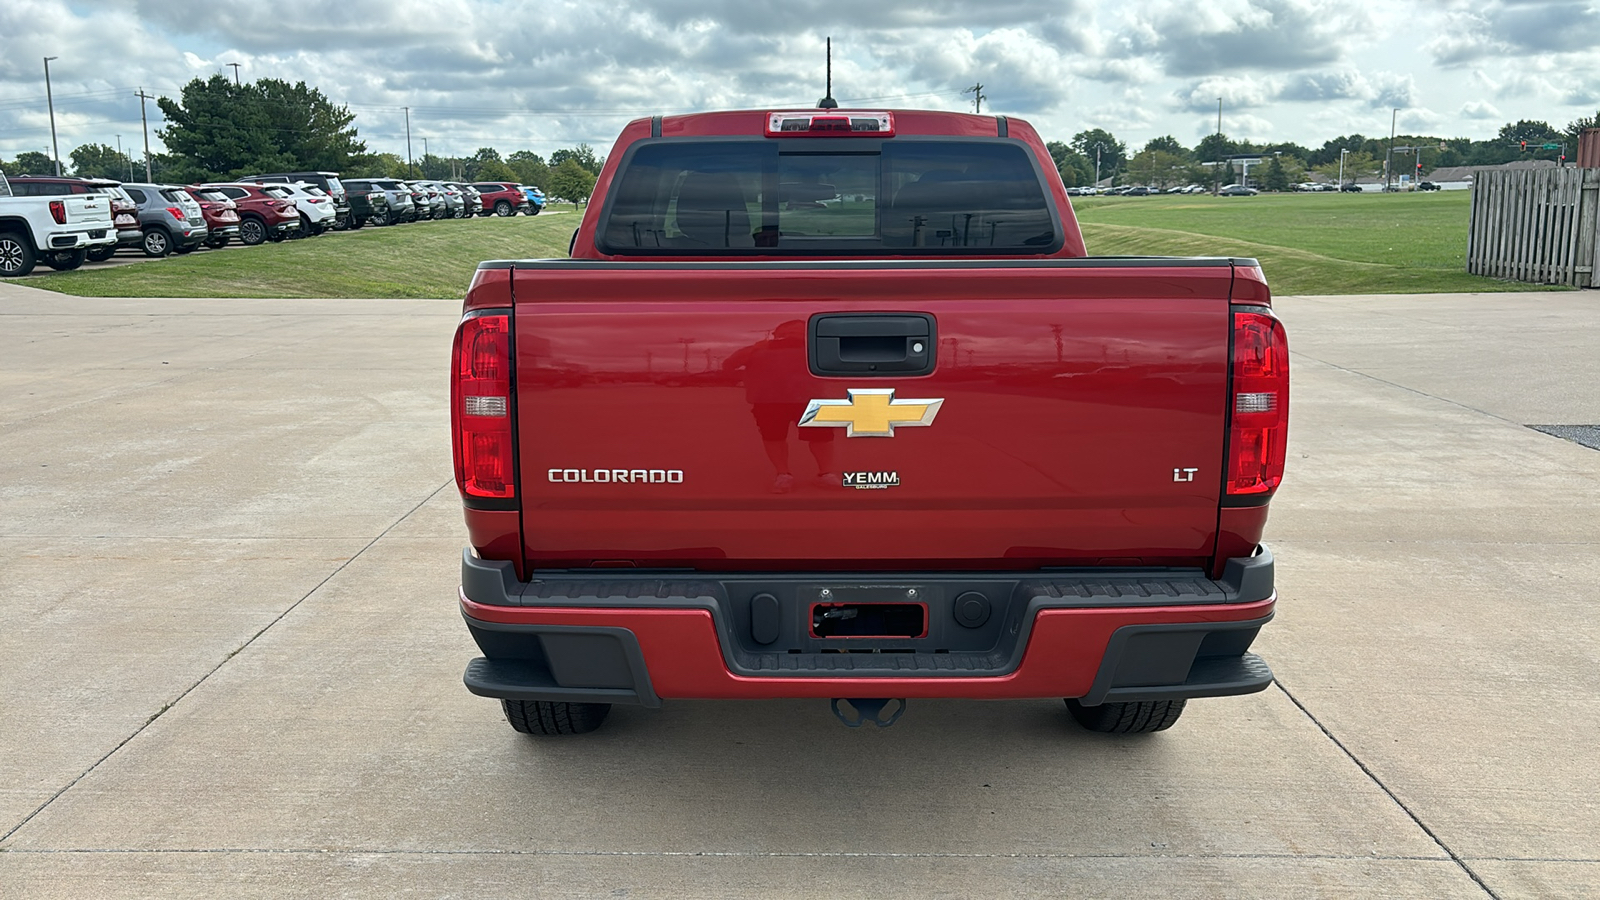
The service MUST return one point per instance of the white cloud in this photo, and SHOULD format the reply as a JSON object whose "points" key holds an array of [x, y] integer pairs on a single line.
{"points": [[1479, 109]]}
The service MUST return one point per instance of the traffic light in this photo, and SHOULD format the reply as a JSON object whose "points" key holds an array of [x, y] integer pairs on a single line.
{"points": [[1524, 146]]}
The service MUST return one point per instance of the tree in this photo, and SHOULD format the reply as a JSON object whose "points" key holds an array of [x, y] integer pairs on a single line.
{"points": [[1275, 178], [1113, 153], [1157, 168], [1075, 168], [1214, 147], [1576, 128], [571, 181], [30, 162], [495, 170], [1166, 144], [583, 155], [530, 167], [218, 129], [101, 161], [376, 165]]}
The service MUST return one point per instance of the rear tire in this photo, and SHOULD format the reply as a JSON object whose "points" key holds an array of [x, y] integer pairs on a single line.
{"points": [[65, 260], [544, 717], [1139, 717], [252, 231], [157, 243], [503, 209], [101, 254]]}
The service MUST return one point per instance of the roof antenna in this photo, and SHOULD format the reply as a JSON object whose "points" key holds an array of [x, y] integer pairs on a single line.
{"points": [[828, 102]]}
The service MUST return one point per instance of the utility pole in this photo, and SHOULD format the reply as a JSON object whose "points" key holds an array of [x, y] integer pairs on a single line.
{"points": [[1388, 161], [408, 140], [1097, 146], [145, 121], [1342, 154], [424, 157], [50, 101], [977, 97], [235, 73]]}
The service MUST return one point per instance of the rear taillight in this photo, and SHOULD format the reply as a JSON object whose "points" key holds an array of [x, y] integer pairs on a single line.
{"points": [[58, 211], [176, 213], [1259, 396], [480, 406]]}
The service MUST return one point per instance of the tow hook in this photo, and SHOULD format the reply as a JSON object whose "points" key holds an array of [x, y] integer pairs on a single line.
{"points": [[868, 709]]}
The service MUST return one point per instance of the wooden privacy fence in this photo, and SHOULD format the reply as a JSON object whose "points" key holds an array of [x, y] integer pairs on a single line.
{"points": [[1536, 225]]}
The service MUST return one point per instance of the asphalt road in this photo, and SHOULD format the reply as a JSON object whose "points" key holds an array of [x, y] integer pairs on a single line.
{"points": [[230, 656]]}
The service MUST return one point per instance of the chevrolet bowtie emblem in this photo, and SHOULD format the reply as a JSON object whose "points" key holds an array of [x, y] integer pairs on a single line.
{"points": [[870, 412]]}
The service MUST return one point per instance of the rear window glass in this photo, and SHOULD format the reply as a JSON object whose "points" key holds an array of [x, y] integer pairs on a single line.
{"points": [[333, 184], [282, 193], [916, 197], [211, 194]]}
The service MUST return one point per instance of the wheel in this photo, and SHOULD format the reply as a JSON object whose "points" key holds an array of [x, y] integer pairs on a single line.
{"points": [[534, 210], [278, 237], [503, 209], [546, 717], [379, 219], [217, 243], [157, 242], [65, 260], [16, 255], [357, 222], [101, 254], [186, 248], [252, 232], [1139, 717]]}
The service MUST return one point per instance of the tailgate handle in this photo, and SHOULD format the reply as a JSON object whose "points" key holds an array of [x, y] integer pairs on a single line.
{"points": [[872, 344]]}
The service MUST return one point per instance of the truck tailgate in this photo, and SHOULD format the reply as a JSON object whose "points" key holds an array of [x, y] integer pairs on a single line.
{"points": [[1082, 416]]}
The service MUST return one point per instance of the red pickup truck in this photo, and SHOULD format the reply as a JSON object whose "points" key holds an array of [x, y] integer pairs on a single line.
{"points": [[834, 404]]}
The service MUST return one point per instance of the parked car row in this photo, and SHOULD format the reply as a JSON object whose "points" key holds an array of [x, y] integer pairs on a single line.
{"points": [[160, 219]]}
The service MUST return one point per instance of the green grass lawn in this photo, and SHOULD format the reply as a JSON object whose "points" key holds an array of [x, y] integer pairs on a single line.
{"points": [[417, 259], [1307, 244]]}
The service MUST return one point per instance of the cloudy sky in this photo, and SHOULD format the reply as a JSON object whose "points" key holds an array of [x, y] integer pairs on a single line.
{"points": [[517, 74]]}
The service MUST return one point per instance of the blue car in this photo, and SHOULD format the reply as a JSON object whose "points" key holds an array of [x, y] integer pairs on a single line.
{"points": [[535, 199]]}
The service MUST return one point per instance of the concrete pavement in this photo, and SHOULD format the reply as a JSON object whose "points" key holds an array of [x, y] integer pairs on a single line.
{"points": [[230, 657]]}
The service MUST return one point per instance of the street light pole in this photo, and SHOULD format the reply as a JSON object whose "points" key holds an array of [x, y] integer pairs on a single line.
{"points": [[1388, 162], [1216, 167], [1097, 146], [51, 102], [1342, 154]]}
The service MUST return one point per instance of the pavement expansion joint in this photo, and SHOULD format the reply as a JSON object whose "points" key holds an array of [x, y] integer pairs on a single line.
{"points": [[1373, 776], [729, 854], [1410, 390], [214, 669]]}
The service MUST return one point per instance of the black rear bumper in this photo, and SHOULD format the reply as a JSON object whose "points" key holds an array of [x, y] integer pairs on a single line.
{"points": [[1192, 655]]}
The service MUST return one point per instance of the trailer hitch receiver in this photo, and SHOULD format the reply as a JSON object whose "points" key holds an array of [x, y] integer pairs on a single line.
{"points": [[868, 709]]}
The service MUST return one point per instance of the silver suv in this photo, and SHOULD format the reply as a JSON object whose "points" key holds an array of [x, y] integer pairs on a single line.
{"points": [[170, 219]]}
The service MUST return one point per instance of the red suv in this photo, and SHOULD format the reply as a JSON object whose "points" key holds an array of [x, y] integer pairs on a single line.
{"points": [[503, 198], [265, 211], [221, 212], [124, 212]]}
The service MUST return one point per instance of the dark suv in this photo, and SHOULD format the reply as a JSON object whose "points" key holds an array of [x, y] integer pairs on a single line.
{"points": [[503, 198]]}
